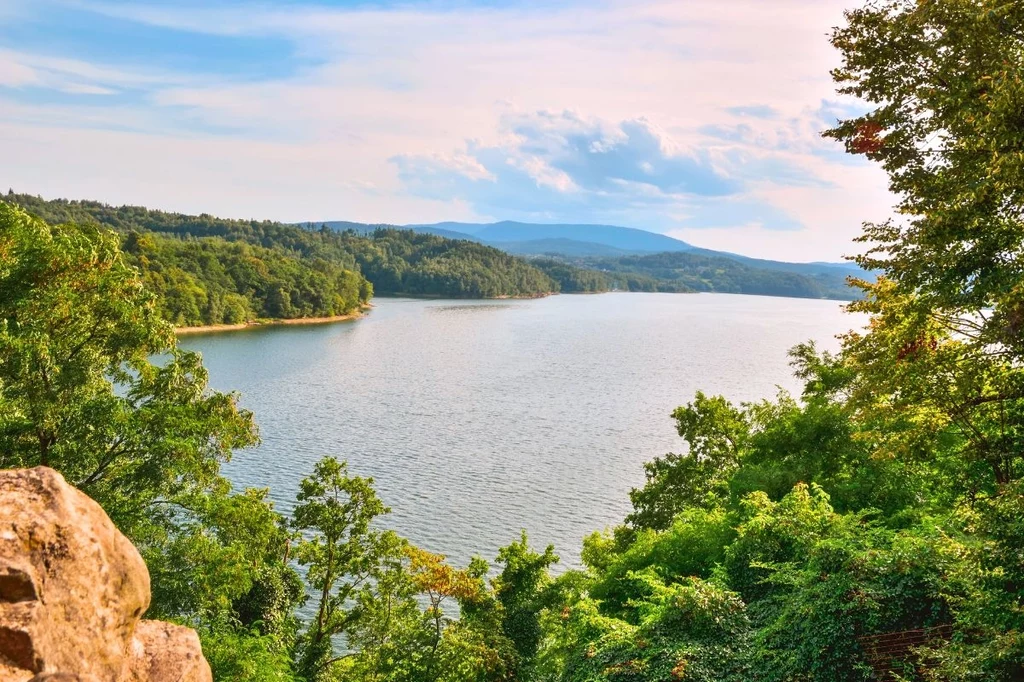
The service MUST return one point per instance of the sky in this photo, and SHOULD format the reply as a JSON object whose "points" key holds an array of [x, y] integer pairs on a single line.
{"points": [[700, 119]]}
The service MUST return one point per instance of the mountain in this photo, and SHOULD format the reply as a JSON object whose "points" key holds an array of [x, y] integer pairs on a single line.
{"points": [[627, 239], [814, 268], [608, 248], [583, 241], [638, 260], [559, 247]]}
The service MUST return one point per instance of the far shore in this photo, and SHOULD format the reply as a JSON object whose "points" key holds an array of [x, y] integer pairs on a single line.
{"points": [[255, 324], [445, 297]]}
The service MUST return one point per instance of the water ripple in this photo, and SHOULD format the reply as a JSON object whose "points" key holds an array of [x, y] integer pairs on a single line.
{"points": [[477, 425]]}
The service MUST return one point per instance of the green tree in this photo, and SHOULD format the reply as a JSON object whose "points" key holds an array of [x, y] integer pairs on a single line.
{"points": [[520, 588], [943, 79], [343, 555], [81, 393], [716, 434]]}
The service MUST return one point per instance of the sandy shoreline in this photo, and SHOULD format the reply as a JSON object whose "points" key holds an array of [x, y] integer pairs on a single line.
{"points": [[213, 328]]}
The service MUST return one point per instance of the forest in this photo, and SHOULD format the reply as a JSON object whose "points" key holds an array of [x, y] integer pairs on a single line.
{"points": [[682, 272], [783, 540], [209, 281], [302, 264], [206, 266]]}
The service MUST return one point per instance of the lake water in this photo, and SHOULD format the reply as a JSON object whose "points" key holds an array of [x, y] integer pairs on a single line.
{"points": [[481, 418]]}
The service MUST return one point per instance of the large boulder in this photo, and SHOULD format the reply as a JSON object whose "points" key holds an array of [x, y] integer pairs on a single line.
{"points": [[162, 651], [73, 590]]}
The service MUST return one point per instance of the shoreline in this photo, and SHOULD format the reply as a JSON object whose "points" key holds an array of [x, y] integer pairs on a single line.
{"points": [[440, 297], [256, 324]]}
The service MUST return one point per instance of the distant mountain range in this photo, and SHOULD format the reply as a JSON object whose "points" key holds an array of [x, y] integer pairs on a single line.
{"points": [[574, 241], [623, 239]]}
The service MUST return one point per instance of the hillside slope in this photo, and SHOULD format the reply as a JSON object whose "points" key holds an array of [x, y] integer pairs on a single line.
{"points": [[290, 271], [624, 238], [571, 241]]}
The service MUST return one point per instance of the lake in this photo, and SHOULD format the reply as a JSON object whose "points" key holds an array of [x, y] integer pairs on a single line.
{"points": [[481, 418]]}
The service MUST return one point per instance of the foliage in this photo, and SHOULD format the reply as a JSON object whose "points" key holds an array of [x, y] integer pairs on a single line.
{"points": [[572, 279], [210, 281], [342, 554], [292, 270], [380, 601], [690, 630], [888, 496], [684, 271], [520, 590], [715, 432], [80, 392]]}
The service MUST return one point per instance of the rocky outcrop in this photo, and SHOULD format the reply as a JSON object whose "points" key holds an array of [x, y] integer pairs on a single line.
{"points": [[73, 590]]}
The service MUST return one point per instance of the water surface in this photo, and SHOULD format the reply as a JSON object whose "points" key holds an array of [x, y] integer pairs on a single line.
{"points": [[481, 418]]}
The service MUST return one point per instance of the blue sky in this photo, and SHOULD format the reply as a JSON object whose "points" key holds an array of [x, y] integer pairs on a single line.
{"points": [[696, 118]]}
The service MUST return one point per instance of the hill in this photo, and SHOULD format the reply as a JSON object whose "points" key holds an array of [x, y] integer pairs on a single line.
{"points": [[624, 238], [368, 228], [573, 242], [711, 273], [201, 265], [210, 270], [559, 247], [604, 240]]}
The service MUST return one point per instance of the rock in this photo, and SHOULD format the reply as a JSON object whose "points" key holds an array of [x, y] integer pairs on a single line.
{"points": [[72, 591], [163, 651]]}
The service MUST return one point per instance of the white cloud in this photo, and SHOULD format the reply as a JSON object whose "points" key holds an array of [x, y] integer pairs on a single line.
{"points": [[417, 83], [74, 76], [543, 174], [14, 74]]}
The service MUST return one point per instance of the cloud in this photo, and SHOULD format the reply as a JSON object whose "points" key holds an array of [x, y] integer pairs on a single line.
{"points": [[442, 167], [661, 115], [754, 111], [637, 152], [41, 72], [14, 74], [559, 166]]}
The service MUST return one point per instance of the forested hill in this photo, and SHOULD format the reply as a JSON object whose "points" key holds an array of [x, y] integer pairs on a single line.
{"points": [[209, 270], [209, 281], [685, 271], [647, 262]]}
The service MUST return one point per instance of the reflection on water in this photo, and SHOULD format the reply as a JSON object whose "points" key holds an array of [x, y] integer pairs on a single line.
{"points": [[478, 425], [473, 308]]}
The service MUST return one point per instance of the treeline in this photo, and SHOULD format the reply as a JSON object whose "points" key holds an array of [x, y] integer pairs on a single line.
{"points": [[681, 271], [303, 266], [403, 262], [210, 281], [572, 279]]}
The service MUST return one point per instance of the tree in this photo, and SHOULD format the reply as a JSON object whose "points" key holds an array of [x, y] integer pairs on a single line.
{"points": [[716, 433], [943, 79], [79, 392], [343, 555], [440, 582], [520, 590]]}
